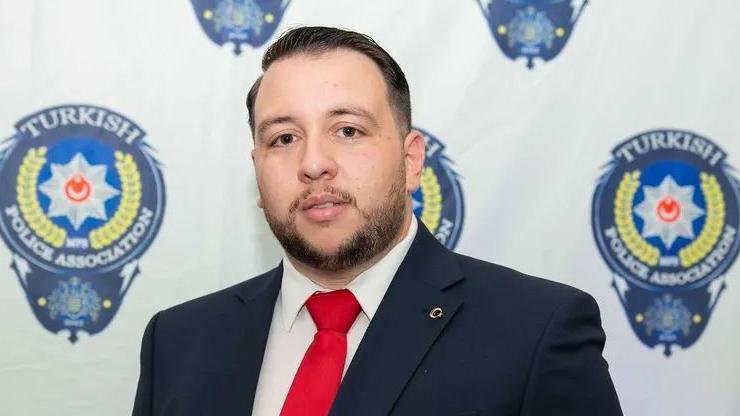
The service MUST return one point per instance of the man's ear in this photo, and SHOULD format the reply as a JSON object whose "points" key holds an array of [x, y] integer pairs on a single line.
{"points": [[414, 148], [260, 204]]}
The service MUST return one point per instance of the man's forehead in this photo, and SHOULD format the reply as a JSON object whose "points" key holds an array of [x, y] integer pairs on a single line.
{"points": [[344, 75]]}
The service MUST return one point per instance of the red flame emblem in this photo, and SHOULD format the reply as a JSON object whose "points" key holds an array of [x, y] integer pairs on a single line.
{"points": [[669, 209], [77, 189]]}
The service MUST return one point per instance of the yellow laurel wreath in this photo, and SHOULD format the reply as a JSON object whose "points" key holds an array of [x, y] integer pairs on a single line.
{"points": [[430, 190], [111, 231], [28, 202], [714, 222], [638, 246]]}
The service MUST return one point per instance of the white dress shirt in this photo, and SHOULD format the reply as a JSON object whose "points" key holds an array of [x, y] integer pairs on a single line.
{"points": [[292, 328]]}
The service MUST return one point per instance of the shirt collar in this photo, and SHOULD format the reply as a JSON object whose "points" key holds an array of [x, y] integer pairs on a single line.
{"points": [[368, 287]]}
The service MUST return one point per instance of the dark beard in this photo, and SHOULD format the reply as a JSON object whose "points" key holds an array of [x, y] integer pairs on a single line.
{"points": [[382, 225]]}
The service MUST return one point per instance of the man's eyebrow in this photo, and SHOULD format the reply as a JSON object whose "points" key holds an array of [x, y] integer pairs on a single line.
{"points": [[355, 111], [271, 121]]}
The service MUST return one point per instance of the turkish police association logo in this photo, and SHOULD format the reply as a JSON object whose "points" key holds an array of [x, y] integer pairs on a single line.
{"points": [[532, 28], [665, 218], [439, 200], [240, 22], [82, 198]]}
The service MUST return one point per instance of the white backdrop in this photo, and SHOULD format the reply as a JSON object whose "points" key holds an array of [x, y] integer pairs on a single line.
{"points": [[529, 146]]}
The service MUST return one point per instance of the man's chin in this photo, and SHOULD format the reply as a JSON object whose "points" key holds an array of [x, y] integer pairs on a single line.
{"points": [[324, 249]]}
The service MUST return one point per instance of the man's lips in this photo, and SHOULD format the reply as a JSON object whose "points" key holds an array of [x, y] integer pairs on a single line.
{"points": [[317, 200], [323, 207]]}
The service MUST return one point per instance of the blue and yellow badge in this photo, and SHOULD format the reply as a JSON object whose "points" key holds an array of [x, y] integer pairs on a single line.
{"points": [[665, 219], [532, 28], [82, 200], [439, 200], [240, 22]]}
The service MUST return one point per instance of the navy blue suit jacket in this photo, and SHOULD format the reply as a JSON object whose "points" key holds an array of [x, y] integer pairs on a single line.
{"points": [[506, 344]]}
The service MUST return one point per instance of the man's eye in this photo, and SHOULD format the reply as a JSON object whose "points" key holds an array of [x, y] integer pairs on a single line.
{"points": [[284, 140], [349, 132]]}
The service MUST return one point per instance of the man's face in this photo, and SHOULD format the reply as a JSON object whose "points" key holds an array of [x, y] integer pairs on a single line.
{"points": [[332, 168]]}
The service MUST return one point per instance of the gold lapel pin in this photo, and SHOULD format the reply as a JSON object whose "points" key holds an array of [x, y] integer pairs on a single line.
{"points": [[436, 313]]}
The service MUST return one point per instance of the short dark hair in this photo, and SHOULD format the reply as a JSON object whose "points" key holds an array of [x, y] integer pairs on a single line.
{"points": [[315, 40]]}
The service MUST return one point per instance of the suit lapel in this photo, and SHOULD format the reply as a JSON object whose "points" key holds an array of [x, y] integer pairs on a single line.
{"points": [[402, 331], [251, 327]]}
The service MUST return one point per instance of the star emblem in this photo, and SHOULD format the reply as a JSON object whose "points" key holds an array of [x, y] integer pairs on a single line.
{"points": [[78, 191], [668, 211]]}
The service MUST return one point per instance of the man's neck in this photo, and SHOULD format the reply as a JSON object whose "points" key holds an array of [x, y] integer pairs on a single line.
{"points": [[340, 279]]}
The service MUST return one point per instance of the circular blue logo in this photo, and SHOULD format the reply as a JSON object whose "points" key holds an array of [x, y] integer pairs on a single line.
{"points": [[84, 200], [665, 219]]}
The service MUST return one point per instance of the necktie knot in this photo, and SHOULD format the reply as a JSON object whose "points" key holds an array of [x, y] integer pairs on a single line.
{"points": [[335, 310]]}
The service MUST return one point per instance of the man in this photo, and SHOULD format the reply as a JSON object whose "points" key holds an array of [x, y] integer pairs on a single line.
{"points": [[367, 314]]}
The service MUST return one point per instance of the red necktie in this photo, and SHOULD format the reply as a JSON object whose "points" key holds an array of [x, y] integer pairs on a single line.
{"points": [[317, 380]]}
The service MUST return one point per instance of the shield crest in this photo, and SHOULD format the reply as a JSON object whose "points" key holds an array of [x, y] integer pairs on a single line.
{"points": [[240, 22], [665, 219], [532, 28], [83, 198]]}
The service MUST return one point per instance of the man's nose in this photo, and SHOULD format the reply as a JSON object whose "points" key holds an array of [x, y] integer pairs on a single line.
{"points": [[317, 161]]}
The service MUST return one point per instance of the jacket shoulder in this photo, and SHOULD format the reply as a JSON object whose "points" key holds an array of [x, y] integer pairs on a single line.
{"points": [[512, 289], [219, 302]]}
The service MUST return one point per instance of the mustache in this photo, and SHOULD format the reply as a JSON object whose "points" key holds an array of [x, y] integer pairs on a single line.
{"points": [[345, 196]]}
